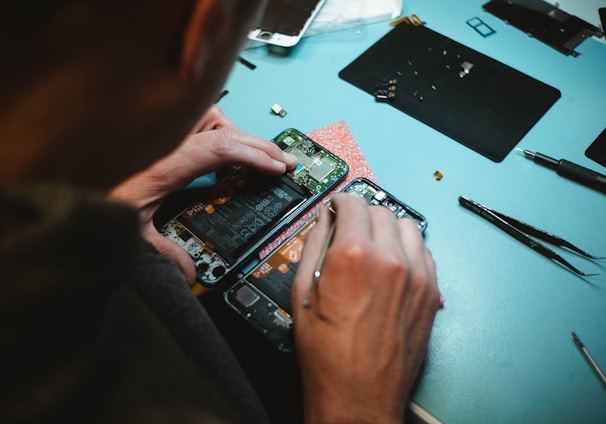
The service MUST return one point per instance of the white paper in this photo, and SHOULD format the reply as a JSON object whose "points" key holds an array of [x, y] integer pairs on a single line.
{"points": [[337, 15]]}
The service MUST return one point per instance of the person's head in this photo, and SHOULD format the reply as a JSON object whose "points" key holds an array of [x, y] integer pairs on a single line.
{"points": [[93, 91]]}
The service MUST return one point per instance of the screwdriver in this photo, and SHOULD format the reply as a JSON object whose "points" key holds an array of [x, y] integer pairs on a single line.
{"points": [[570, 170]]}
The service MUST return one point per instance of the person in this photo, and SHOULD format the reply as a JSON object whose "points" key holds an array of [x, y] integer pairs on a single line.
{"points": [[99, 123]]}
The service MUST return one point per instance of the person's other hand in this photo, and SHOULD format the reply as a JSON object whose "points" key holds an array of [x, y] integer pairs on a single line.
{"points": [[215, 144], [362, 340]]}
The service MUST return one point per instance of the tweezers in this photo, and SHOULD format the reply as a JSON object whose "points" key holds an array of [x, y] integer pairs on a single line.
{"points": [[320, 263], [522, 232]]}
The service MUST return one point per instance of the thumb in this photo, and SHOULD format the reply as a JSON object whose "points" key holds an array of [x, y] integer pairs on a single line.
{"points": [[174, 252]]}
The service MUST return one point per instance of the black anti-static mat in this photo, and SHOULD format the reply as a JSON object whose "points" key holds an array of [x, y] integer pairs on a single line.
{"points": [[489, 109], [597, 150]]}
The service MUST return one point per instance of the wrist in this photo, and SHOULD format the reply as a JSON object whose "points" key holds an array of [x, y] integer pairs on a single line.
{"points": [[341, 408]]}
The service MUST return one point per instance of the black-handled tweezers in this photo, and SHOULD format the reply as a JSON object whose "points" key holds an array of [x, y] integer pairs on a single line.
{"points": [[522, 232]]}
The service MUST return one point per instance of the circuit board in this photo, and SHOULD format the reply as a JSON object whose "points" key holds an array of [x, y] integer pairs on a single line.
{"points": [[317, 169]]}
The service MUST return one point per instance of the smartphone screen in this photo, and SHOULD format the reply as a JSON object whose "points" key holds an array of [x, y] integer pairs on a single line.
{"points": [[242, 211], [287, 16], [263, 297], [284, 21]]}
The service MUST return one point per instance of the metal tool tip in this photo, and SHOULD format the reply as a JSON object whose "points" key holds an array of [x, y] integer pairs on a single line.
{"points": [[526, 152], [317, 274]]}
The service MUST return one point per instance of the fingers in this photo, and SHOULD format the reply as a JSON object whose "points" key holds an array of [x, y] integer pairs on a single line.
{"points": [[386, 232], [412, 244], [245, 149], [174, 252], [353, 218], [210, 151], [224, 147], [351, 221], [431, 265], [370, 235], [420, 261], [353, 238], [227, 138]]}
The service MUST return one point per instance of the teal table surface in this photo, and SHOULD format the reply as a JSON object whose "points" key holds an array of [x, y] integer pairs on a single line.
{"points": [[501, 349]]}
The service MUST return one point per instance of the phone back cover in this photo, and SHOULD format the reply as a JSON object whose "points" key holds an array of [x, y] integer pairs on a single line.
{"points": [[489, 109]]}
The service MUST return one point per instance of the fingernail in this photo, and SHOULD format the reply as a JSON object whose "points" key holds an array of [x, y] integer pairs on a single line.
{"points": [[289, 157], [279, 165], [319, 213]]}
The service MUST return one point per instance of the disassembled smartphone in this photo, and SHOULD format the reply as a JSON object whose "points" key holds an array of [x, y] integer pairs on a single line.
{"points": [[376, 196], [262, 297], [285, 21], [224, 230]]}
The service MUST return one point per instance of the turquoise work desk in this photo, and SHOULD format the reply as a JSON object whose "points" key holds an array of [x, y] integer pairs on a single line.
{"points": [[501, 349]]}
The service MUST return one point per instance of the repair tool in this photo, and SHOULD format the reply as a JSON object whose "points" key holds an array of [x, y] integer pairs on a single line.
{"points": [[522, 232], [592, 362], [570, 170], [320, 263]]}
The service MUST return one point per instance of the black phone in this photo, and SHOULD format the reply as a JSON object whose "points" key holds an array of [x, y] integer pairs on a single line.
{"points": [[263, 296], [240, 213]]}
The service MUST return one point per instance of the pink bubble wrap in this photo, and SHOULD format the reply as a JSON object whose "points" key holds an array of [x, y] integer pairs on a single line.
{"points": [[338, 139]]}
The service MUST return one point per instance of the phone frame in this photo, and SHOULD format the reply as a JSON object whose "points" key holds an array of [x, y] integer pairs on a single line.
{"points": [[318, 171], [271, 312]]}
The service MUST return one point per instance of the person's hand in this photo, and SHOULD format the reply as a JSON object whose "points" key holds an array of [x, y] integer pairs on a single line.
{"points": [[362, 340], [216, 144]]}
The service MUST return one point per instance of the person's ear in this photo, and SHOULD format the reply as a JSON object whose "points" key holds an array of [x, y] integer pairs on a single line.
{"points": [[212, 26], [196, 38]]}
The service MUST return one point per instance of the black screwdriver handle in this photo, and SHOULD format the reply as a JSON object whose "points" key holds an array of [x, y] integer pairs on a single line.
{"points": [[581, 175]]}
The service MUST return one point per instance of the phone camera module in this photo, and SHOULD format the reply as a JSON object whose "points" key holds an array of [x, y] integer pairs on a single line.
{"points": [[265, 35]]}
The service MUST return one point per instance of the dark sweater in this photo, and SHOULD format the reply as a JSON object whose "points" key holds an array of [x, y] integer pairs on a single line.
{"points": [[97, 326]]}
